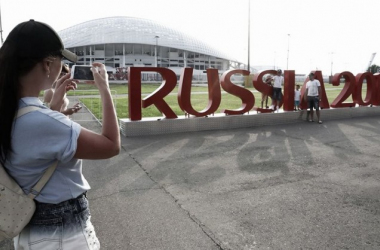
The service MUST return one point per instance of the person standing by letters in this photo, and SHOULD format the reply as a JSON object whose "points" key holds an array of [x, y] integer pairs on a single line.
{"points": [[278, 81], [297, 98], [312, 97], [264, 97]]}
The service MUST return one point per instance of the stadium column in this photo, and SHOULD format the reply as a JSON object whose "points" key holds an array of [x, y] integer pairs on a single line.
{"points": [[123, 61], [185, 58]]}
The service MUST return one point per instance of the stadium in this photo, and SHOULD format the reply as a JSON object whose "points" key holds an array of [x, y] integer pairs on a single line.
{"points": [[122, 42]]}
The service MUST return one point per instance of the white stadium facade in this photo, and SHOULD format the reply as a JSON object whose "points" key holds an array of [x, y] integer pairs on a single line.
{"points": [[122, 42]]}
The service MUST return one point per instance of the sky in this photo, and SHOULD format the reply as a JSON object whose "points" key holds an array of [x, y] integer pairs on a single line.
{"points": [[301, 35]]}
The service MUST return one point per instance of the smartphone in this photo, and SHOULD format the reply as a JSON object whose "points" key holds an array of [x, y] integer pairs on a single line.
{"points": [[82, 72]]}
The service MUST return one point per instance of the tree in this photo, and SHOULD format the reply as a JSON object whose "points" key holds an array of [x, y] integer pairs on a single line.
{"points": [[374, 69]]}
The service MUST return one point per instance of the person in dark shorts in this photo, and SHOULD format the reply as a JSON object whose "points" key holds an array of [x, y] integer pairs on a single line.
{"points": [[264, 97], [278, 81], [312, 97]]}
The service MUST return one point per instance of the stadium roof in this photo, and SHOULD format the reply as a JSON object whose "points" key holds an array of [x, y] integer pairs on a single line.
{"points": [[134, 30]]}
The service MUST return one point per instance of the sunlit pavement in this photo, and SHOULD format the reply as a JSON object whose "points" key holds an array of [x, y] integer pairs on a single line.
{"points": [[300, 186]]}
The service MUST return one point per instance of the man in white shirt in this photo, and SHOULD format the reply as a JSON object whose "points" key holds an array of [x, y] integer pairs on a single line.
{"points": [[278, 81], [312, 96]]}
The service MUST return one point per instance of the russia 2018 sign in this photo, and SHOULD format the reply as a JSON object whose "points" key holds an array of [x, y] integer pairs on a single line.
{"points": [[352, 87]]}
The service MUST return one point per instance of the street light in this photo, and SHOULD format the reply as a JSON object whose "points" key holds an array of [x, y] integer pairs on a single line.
{"points": [[1, 31], [287, 60], [249, 33], [331, 53], [155, 51], [330, 78]]}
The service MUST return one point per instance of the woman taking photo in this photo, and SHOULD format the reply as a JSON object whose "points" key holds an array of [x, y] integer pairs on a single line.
{"points": [[30, 61]]}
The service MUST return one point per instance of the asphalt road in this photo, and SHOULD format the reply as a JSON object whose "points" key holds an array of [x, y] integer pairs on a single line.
{"points": [[300, 186]]}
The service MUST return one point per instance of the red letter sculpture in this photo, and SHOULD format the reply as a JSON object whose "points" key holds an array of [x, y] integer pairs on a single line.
{"points": [[348, 89], [289, 83], [157, 97], [246, 96], [357, 96], [376, 89], [184, 92], [134, 94]]}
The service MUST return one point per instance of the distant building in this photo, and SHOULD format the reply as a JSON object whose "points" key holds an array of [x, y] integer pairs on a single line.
{"points": [[122, 42]]}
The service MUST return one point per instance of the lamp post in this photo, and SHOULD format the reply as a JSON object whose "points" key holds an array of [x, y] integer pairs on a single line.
{"points": [[287, 59], [1, 30], [331, 53], [155, 52], [249, 33], [155, 55]]}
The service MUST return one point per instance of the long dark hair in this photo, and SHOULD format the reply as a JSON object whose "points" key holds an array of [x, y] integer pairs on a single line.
{"points": [[12, 68]]}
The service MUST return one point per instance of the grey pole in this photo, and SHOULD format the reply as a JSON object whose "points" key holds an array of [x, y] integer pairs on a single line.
{"points": [[155, 51], [332, 53], [287, 60], [249, 33], [1, 30]]}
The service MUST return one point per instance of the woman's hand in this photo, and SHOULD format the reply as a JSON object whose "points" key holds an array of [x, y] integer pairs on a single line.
{"points": [[72, 110], [106, 144], [63, 85], [100, 76]]}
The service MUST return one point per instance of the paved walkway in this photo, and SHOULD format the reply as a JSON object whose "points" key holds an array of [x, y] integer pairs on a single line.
{"points": [[302, 186]]}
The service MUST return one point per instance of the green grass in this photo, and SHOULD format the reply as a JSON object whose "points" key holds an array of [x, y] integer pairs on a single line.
{"points": [[121, 89], [198, 101], [146, 88]]}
